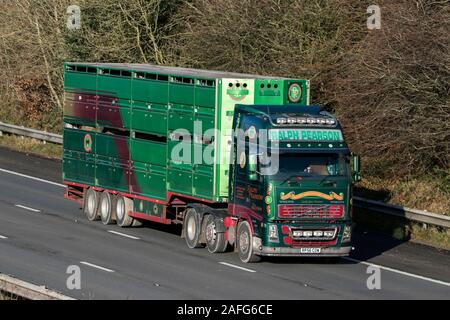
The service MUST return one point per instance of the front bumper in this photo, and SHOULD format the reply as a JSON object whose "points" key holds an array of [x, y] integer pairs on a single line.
{"points": [[260, 250]]}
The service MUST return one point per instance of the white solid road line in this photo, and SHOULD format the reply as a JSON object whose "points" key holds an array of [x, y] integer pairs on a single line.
{"points": [[3, 237], [27, 208], [32, 178], [123, 235], [95, 266], [237, 267], [399, 272]]}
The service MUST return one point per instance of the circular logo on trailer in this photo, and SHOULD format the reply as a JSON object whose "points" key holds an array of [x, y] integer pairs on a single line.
{"points": [[87, 142], [295, 92], [242, 159]]}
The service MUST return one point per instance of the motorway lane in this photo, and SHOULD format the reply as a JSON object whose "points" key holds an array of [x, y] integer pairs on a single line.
{"points": [[41, 245]]}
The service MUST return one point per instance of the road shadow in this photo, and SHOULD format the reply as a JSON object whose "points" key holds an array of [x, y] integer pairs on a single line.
{"points": [[174, 229]]}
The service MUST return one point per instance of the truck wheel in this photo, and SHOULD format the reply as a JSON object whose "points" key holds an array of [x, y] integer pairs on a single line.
{"points": [[244, 243], [215, 241], [106, 212], [91, 205], [122, 207], [192, 229]]}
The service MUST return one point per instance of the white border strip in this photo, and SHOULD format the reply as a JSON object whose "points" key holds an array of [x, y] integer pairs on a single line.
{"points": [[32, 178], [237, 267], [96, 266], [399, 272], [27, 208], [123, 235]]}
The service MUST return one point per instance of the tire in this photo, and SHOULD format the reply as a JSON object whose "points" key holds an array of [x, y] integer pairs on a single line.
{"points": [[122, 207], [244, 243], [192, 229], [215, 241], [90, 206], [105, 208]]}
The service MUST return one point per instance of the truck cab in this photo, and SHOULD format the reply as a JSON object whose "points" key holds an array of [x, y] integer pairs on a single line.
{"points": [[291, 181]]}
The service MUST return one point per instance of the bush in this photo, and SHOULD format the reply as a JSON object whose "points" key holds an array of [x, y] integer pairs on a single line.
{"points": [[389, 87]]}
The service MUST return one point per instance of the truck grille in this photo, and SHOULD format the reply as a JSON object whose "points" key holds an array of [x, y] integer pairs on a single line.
{"points": [[321, 211]]}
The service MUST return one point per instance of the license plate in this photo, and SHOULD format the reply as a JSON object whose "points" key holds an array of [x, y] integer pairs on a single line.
{"points": [[310, 250]]}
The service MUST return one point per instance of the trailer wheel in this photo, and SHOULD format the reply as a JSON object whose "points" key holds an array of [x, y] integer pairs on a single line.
{"points": [[192, 228], [123, 206], [215, 241], [90, 207], [245, 243], [105, 208]]}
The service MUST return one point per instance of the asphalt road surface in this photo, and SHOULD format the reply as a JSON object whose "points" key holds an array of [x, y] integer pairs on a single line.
{"points": [[42, 234]]}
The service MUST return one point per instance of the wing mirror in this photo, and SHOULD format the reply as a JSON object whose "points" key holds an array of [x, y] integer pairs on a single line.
{"points": [[356, 167]]}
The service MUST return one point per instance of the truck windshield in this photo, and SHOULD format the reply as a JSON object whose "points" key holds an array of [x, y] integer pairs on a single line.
{"points": [[310, 165]]}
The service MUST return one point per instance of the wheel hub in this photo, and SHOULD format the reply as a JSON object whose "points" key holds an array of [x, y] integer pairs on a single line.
{"points": [[120, 211], [105, 209], [191, 229], [244, 242], [211, 232]]}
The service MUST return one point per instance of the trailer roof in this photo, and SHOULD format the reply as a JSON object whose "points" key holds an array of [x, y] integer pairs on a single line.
{"points": [[174, 70]]}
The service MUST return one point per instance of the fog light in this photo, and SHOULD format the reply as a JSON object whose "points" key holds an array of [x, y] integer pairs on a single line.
{"points": [[273, 233], [307, 234], [318, 233], [297, 234], [347, 234], [328, 233]]}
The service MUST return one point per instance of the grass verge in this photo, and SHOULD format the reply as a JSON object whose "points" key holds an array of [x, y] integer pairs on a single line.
{"points": [[32, 146], [431, 193], [403, 229]]}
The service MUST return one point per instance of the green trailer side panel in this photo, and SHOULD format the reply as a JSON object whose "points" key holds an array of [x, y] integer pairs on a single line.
{"points": [[205, 96], [149, 152], [179, 181], [151, 91], [152, 121], [181, 117], [180, 155], [76, 81], [107, 145], [78, 167], [74, 140], [119, 86], [202, 185], [269, 91], [152, 183], [110, 174], [80, 107], [181, 94]]}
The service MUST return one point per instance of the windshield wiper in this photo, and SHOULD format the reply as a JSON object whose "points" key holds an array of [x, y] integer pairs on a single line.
{"points": [[290, 177]]}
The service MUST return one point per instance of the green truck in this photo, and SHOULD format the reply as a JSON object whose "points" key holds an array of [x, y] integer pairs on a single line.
{"points": [[240, 161]]}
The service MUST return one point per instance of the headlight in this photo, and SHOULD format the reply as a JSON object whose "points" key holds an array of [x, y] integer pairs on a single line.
{"points": [[273, 233], [318, 233], [307, 234], [328, 234], [346, 236], [297, 234]]}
